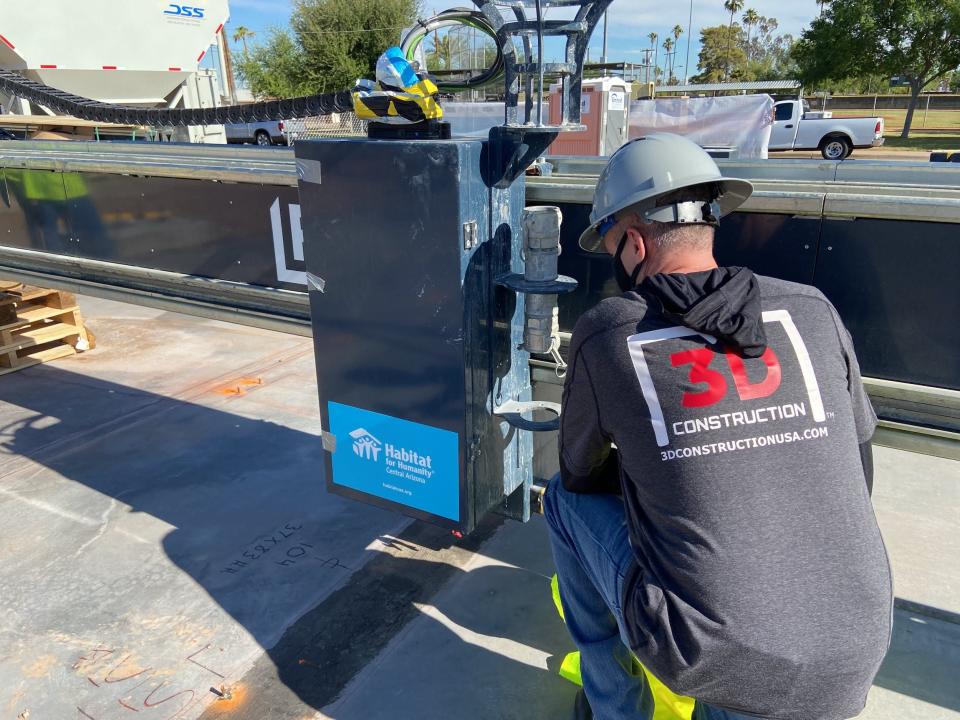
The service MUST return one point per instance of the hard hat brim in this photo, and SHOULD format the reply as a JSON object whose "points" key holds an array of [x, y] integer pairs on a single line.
{"points": [[591, 241], [735, 193]]}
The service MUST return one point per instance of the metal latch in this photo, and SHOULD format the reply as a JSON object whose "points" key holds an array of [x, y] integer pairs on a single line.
{"points": [[471, 238]]}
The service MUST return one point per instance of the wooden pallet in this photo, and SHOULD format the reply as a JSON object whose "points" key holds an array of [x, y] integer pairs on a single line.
{"points": [[38, 325]]}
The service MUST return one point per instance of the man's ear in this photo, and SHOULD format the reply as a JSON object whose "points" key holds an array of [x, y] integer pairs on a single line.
{"points": [[637, 243]]}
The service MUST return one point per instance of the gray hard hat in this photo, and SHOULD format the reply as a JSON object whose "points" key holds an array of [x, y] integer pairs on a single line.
{"points": [[649, 167]]}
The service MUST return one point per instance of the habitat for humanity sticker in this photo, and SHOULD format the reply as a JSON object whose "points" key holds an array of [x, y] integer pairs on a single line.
{"points": [[405, 462]]}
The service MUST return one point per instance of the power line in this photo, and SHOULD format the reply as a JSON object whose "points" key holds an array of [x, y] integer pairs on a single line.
{"points": [[358, 30]]}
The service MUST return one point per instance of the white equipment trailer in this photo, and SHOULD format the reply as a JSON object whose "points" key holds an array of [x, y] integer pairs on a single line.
{"points": [[143, 53]]}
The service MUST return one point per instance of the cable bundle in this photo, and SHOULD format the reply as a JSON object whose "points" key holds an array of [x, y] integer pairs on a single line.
{"points": [[450, 18], [12, 83]]}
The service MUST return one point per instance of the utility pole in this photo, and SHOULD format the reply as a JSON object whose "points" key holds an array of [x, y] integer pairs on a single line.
{"points": [[603, 58], [689, 35], [227, 66], [647, 64]]}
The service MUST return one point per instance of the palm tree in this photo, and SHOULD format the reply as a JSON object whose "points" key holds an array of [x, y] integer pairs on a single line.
{"points": [[241, 34], [445, 48], [652, 37], [668, 46], [750, 18], [677, 32], [733, 7]]}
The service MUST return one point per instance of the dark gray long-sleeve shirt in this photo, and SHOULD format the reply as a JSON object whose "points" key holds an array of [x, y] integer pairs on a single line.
{"points": [[760, 581]]}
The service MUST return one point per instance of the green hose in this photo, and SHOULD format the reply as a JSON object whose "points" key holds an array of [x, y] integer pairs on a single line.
{"points": [[457, 16]]}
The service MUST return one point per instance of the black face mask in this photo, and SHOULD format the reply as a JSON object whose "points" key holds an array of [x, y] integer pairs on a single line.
{"points": [[624, 281]]}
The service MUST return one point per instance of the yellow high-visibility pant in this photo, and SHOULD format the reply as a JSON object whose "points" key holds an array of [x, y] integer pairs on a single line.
{"points": [[667, 704]]}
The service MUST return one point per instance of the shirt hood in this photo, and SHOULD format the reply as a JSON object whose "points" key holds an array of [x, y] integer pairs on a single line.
{"points": [[723, 302]]}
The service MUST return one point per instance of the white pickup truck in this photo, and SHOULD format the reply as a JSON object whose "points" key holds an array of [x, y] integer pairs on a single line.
{"points": [[835, 138], [260, 133]]}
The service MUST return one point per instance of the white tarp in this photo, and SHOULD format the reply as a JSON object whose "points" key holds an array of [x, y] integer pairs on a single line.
{"points": [[740, 121]]}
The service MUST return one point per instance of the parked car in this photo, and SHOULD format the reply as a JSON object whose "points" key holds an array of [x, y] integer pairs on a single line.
{"points": [[795, 128], [259, 133]]}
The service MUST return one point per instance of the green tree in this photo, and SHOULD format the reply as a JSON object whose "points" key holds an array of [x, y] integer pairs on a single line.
{"points": [[733, 7], [330, 44], [275, 69], [769, 53], [917, 39], [677, 32], [444, 48], [721, 55], [668, 61], [750, 18], [652, 37], [240, 35]]}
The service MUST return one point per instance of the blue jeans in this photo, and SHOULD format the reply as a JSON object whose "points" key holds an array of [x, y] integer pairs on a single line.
{"points": [[591, 549]]}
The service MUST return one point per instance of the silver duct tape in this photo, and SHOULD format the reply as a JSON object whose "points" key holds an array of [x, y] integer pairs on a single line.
{"points": [[308, 171], [315, 282], [329, 441]]}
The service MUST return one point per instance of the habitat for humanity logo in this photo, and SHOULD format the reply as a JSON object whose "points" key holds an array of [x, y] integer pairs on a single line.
{"points": [[366, 445]]}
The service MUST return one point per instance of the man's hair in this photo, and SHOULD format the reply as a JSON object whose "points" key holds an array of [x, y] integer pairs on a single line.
{"points": [[678, 235]]}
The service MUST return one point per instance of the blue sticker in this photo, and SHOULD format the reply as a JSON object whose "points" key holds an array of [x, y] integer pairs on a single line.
{"points": [[405, 462]]}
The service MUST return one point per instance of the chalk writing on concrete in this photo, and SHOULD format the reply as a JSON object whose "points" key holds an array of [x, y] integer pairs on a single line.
{"points": [[302, 552], [191, 658], [124, 685], [262, 547]]}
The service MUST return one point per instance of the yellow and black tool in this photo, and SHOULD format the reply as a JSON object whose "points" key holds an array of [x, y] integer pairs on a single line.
{"points": [[415, 103]]}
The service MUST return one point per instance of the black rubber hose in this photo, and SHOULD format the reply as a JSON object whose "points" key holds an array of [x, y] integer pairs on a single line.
{"points": [[12, 83]]}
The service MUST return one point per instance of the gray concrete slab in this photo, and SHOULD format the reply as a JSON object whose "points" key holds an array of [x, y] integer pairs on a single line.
{"points": [[487, 646], [162, 519], [163, 535], [917, 499], [491, 641]]}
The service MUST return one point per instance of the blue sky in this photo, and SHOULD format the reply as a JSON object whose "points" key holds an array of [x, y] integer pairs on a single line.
{"points": [[630, 21]]}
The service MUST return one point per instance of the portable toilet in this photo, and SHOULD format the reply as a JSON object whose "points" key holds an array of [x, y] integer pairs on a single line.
{"points": [[604, 110]]}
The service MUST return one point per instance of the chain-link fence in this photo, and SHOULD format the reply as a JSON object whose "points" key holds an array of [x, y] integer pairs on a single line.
{"points": [[345, 124]]}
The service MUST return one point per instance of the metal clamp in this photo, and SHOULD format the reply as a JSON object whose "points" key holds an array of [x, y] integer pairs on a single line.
{"points": [[513, 412]]}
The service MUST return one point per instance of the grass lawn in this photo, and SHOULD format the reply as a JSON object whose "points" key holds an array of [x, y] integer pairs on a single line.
{"points": [[940, 130]]}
